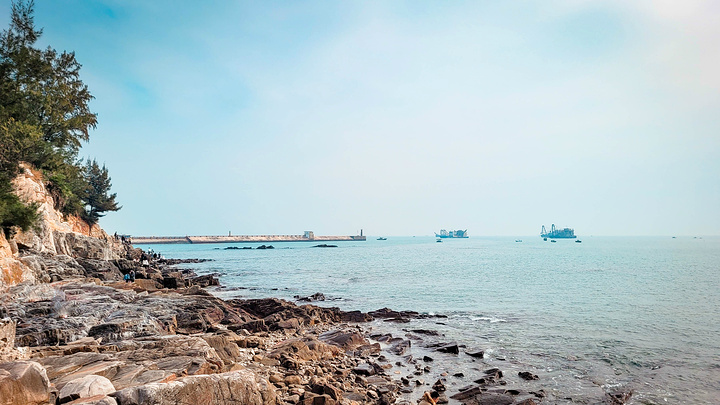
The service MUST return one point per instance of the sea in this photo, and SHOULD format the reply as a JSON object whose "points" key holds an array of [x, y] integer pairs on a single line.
{"points": [[633, 315]]}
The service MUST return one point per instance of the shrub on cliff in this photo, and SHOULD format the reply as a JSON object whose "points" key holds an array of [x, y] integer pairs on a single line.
{"points": [[13, 213]]}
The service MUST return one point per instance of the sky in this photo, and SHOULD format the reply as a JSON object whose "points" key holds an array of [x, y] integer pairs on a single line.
{"points": [[401, 117]]}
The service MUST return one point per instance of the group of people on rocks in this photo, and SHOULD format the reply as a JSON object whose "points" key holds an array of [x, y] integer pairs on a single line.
{"points": [[130, 276], [123, 239]]}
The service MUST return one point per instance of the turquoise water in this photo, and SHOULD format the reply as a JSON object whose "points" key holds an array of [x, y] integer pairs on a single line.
{"points": [[627, 313]]}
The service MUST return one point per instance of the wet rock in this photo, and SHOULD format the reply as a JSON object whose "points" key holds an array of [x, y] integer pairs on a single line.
{"points": [[344, 339], [494, 373], [387, 313], [449, 348], [467, 393], [23, 382], [399, 348], [493, 399], [619, 397], [364, 369], [205, 281], [427, 359], [356, 316], [538, 394], [526, 375], [439, 386], [476, 354], [426, 332], [310, 298]]}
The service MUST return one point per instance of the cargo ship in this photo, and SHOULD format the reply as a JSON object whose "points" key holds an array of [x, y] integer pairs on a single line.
{"points": [[452, 234], [565, 233]]}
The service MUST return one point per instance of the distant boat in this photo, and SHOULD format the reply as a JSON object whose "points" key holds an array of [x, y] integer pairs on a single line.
{"points": [[578, 241], [381, 238], [439, 241], [553, 240], [518, 240], [452, 234], [565, 233]]}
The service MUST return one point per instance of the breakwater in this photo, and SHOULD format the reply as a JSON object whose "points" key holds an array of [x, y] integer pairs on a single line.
{"points": [[308, 236]]}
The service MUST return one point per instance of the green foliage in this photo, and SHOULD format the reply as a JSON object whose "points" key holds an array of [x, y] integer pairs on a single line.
{"points": [[42, 87], [98, 199], [44, 118], [13, 213]]}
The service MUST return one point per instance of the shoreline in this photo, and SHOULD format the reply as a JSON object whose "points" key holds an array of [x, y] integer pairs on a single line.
{"points": [[308, 237], [295, 354]]}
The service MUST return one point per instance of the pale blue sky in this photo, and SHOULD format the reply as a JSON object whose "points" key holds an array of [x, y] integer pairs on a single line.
{"points": [[401, 118]]}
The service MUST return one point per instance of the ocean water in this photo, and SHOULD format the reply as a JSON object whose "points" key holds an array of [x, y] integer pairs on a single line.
{"points": [[638, 314]]}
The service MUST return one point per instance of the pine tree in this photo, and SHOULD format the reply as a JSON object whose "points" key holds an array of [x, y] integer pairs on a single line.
{"points": [[97, 198]]}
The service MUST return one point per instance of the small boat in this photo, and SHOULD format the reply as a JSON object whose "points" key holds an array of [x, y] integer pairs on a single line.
{"points": [[381, 238], [578, 241], [553, 240], [439, 241], [518, 240]]}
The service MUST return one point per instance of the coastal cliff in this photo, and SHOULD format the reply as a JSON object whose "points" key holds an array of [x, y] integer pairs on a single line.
{"points": [[54, 235]]}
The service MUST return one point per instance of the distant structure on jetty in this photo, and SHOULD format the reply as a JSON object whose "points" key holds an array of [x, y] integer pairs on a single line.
{"points": [[452, 234], [565, 233], [308, 236]]}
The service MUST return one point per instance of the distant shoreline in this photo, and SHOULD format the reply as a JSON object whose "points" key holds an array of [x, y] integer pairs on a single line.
{"points": [[308, 237]]}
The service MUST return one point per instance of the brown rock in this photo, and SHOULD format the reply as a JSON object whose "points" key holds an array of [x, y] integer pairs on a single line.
{"points": [[23, 383], [526, 375], [87, 386], [237, 387]]}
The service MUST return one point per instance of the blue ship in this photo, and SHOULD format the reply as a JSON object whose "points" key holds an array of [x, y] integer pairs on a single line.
{"points": [[452, 234], [565, 233]]}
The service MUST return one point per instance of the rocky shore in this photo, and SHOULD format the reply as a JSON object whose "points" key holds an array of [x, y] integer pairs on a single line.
{"points": [[72, 331], [91, 338]]}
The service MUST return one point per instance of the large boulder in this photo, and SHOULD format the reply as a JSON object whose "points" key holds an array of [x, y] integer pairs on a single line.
{"points": [[84, 387], [23, 383], [236, 387]]}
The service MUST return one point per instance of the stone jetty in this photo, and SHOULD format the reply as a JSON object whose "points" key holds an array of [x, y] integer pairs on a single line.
{"points": [[308, 236]]}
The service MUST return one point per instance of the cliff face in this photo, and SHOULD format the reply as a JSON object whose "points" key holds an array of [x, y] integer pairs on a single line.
{"points": [[55, 235]]}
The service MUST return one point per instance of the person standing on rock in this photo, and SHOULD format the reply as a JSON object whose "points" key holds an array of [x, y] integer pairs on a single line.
{"points": [[429, 398], [132, 276]]}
